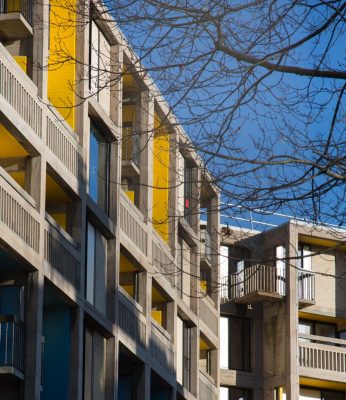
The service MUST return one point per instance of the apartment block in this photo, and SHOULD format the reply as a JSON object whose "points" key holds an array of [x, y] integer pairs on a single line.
{"points": [[283, 313], [106, 275]]}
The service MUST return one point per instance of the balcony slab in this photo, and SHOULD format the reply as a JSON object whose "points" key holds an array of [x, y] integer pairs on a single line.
{"points": [[14, 26]]}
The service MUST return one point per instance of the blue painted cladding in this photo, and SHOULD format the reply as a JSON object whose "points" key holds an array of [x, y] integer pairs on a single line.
{"points": [[56, 359]]}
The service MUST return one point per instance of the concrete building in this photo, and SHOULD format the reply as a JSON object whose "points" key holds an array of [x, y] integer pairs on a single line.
{"points": [[105, 273], [283, 314]]}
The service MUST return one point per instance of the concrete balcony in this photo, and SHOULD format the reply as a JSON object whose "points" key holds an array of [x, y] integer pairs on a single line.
{"points": [[306, 288], [161, 347], [19, 102], [16, 19], [61, 252], [132, 226], [12, 346], [254, 284], [132, 322], [322, 358], [208, 314], [18, 218], [207, 388]]}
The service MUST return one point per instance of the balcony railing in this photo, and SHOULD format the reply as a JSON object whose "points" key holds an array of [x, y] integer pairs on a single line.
{"points": [[161, 347], [12, 339], [207, 390], [132, 224], [205, 245], [131, 145], [257, 278], [131, 321], [25, 7], [61, 253], [322, 353], [306, 285]]}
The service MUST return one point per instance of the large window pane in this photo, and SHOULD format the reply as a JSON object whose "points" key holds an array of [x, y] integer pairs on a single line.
{"points": [[98, 168]]}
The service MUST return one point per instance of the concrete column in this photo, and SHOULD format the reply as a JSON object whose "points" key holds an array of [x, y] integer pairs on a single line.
{"points": [[292, 377], [33, 356], [77, 355], [194, 373], [143, 383], [146, 129], [40, 47], [214, 226]]}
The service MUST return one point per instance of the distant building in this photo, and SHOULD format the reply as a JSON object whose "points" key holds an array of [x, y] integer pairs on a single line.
{"points": [[283, 314]]}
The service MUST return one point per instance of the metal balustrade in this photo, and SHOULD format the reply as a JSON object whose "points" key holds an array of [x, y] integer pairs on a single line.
{"points": [[163, 260], [321, 353], [12, 343], [25, 7]]}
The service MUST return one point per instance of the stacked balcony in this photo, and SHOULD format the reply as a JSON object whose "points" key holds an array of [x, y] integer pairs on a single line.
{"points": [[16, 19], [265, 282]]}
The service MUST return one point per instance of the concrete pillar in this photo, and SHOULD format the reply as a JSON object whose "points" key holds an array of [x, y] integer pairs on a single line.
{"points": [[143, 384], [33, 356], [77, 355], [40, 47], [146, 129], [292, 377]]}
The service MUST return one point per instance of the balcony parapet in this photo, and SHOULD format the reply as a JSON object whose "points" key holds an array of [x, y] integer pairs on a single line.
{"points": [[19, 93], [207, 390], [17, 211], [253, 284], [161, 347], [61, 252], [131, 321], [12, 345], [322, 355], [132, 224]]}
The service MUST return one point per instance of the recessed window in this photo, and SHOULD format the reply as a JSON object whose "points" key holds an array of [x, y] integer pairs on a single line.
{"points": [[96, 268], [99, 155]]}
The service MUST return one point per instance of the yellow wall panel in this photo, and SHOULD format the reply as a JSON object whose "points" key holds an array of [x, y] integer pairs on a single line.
{"points": [[9, 145], [126, 265], [62, 55], [60, 218], [22, 61], [161, 161], [157, 316]]}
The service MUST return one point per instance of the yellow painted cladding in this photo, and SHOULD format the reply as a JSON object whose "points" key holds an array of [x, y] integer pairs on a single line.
{"points": [[161, 179], [157, 316], [62, 56], [22, 61]]}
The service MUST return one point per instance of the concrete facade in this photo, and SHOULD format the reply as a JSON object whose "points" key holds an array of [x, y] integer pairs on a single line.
{"points": [[101, 249], [292, 293]]}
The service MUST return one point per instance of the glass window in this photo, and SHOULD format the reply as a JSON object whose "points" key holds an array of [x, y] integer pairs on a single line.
{"points": [[99, 168], [183, 353], [11, 301], [332, 395], [235, 394], [96, 268]]}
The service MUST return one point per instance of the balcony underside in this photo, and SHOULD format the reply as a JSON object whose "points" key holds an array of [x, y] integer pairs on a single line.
{"points": [[129, 169], [305, 303], [258, 296], [14, 26], [9, 372], [333, 381]]}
